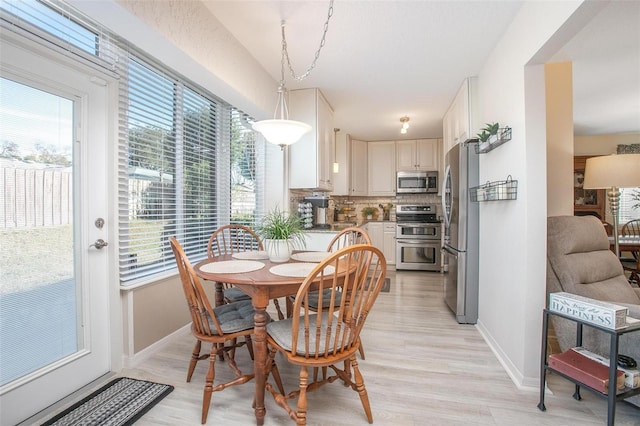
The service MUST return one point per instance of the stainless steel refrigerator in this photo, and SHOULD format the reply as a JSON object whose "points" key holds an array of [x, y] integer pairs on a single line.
{"points": [[461, 232]]}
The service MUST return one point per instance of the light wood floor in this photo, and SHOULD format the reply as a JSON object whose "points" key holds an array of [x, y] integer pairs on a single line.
{"points": [[421, 368]]}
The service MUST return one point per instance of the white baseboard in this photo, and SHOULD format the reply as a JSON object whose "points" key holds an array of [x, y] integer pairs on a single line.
{"points": [[531, 384], [138, 358]]}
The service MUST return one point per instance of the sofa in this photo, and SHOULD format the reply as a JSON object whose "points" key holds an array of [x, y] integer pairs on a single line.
{"points": [[579, 261]]}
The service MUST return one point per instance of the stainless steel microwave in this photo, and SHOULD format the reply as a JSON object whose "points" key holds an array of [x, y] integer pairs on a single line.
{"points": [[417, 182]]}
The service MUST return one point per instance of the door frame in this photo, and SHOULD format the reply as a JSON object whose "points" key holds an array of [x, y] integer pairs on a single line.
{"points": [[89, 232]]}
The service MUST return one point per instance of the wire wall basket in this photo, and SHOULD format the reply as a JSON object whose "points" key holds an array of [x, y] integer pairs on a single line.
{"points": [[495, 191], [504, 135]]}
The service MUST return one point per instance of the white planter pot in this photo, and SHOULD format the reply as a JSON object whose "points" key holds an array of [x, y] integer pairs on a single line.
{"points": [[278, 250]]}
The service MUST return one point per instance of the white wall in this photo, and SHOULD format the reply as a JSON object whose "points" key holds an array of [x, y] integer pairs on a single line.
{"points": [[603, 144], [513, 233], [187, 37], [559, 118]]}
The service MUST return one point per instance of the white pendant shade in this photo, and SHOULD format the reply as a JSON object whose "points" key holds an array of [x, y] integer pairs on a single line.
{"points": [[281, 132]]}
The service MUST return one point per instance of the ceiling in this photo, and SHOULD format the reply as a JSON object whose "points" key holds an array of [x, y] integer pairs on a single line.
{"points": [[386, 59]]}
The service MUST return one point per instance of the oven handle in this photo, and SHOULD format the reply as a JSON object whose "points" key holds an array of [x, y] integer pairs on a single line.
{"points": [[450, 251], [420, 225], [423, 242]]}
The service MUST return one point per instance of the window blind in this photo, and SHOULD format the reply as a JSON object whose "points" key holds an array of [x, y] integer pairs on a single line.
{"points": [[187, 161], [61, 27]]}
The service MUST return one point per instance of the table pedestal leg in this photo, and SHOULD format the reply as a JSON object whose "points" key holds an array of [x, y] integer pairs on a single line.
{"points": [[260, 354]]}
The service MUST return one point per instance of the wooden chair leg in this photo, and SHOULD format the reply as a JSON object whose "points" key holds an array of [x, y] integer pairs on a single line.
{"points": [[272, 368], [249, 346], [360, 388], [277, 305], [208, 385], [301, 412], [361, 350], [195, 356]]}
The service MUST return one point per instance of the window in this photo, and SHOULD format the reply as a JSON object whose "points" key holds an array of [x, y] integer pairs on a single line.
{"points": [[187, 161], [629, 204]]}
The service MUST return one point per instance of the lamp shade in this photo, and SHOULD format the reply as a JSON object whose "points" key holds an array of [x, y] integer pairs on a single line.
{"points": [[608, 171], [281, 132]]}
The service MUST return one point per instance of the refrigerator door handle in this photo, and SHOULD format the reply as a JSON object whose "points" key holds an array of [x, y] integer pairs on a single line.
{"points": [[443, 197], [450, 250]]}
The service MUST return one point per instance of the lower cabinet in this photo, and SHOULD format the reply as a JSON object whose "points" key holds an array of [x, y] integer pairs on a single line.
{"points": [[318, 241], [383, 236], [389, 236]]}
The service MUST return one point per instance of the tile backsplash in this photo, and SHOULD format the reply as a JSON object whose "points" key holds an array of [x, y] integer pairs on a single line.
{"points": [[358, 203]]}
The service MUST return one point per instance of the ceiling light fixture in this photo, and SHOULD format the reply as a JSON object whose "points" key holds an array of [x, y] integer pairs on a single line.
{"points": [[280, 130], [405, 124]]}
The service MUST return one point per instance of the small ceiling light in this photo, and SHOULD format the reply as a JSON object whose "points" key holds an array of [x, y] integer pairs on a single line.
{"points": [[405, 124], [280, 130]]}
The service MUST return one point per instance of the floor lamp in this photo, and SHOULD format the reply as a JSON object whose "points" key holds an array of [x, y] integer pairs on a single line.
{"points": [[613, 172]]}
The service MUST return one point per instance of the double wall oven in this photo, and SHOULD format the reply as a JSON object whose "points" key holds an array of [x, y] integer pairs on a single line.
{"points": [[418, 238]]}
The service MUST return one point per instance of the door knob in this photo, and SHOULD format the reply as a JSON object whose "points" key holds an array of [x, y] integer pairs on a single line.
{"points": [[99, 244]]}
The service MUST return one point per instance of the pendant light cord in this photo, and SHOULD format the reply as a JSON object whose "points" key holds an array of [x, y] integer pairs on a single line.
{"points": [[285, 53]]}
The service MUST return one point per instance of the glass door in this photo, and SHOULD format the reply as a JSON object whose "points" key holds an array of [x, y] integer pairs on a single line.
{"points": [[54, 298]]}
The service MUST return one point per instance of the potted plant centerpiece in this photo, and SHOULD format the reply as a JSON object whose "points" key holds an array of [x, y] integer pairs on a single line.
{"points": [[280, 232]]}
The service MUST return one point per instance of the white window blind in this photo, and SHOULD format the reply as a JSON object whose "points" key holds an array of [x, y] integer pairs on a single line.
{"points": [[629, 208], [62, 28], [176, 172]]}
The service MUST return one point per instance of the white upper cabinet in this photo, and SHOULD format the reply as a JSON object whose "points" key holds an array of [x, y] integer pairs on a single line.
{"points": [[358, 167], [382, 168], [351, 155], [311, 158], [421, 154], [460, 122]]}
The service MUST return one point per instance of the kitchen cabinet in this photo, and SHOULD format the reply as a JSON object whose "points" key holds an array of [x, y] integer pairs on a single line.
{"points": [[311, 158], [383, 236], [461, 121], [359, 165], [318, 241], [381, 168], [421, 154], [351, 155], [389, 237]]}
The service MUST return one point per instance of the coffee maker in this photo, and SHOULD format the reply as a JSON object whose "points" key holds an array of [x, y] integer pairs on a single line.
{"points": [[320, 204]]}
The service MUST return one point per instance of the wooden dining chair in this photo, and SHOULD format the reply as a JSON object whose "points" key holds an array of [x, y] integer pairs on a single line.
{"points": [[632, 264], [329, 338], [347, 237], [221, 326], [235, 238]]}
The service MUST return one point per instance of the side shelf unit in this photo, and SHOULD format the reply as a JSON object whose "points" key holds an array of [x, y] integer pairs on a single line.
{"points": [[612, 397], [495, 191]]}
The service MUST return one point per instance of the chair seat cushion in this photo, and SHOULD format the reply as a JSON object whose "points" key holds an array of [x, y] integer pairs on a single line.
{"points": [[326, 298], [280, 332], [232, 294], [236, 316]]}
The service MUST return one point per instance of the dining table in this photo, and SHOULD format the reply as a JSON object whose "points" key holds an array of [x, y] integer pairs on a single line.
{"points": [[626, 243], [262, 280]]}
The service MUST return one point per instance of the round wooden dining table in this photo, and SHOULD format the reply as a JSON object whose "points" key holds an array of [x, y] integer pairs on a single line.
{"points": [[261, 285]]}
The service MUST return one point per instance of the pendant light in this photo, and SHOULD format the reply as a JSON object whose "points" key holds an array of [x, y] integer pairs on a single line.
{"points": [[280, 130]]}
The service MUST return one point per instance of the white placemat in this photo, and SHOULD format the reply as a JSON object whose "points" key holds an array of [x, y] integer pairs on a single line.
{"points": [[311, 256], [232, 266], [297, 269], [251, 255]]}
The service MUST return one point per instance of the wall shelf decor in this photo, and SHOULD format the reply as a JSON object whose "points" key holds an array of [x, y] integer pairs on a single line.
{"points": [[495, 191], [504, 135]]}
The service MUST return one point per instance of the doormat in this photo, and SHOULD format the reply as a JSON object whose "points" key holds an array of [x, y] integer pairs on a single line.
{"points": [[120, 402], [386, 287]]}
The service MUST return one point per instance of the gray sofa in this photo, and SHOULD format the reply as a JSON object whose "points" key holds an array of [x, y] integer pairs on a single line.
{"points": [[579, 261]]}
